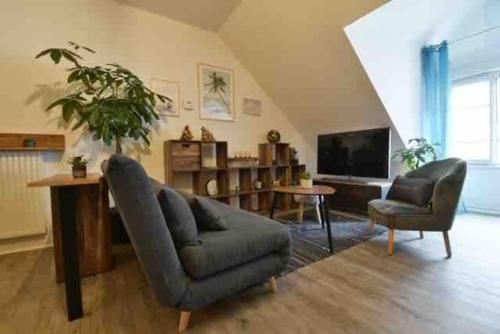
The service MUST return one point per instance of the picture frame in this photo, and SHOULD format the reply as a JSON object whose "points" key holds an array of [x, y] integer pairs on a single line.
{"points": [[216, 93], [252, 106], [170, 89]]}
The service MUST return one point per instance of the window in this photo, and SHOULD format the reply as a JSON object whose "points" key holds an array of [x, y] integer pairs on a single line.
{"points": [[474, 134]]}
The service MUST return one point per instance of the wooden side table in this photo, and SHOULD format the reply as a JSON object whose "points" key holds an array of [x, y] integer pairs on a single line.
{"points": [[320, 191], [81, 232]]}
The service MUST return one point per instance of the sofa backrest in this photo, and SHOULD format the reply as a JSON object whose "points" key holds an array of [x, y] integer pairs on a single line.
{"points": [[449, 177], [140, 211]]}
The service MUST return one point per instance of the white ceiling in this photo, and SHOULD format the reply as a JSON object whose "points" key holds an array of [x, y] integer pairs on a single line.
{"points": [[205, 14]]}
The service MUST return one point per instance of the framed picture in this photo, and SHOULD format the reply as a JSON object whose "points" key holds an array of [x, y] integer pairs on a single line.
{"points": [[170, 89], [216, 93], [252, 107]]}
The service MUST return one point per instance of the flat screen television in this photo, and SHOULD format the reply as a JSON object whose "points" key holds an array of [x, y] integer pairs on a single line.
{"points": [[358, 153]]}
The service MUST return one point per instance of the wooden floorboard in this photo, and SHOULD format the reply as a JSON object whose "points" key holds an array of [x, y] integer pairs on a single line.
{"points": [[360, 290]]}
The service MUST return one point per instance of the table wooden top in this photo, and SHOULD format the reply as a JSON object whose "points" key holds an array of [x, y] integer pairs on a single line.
{"points": [[298, 190], [62, 180]]}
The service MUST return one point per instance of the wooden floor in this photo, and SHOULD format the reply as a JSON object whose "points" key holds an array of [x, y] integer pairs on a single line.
{"points": [[360, 290]]}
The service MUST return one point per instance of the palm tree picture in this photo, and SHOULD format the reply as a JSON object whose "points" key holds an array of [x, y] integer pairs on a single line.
{"points": [[216, 93]]}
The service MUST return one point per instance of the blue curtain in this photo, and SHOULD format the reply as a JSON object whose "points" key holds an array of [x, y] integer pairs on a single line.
{"points": [[436, 94]]}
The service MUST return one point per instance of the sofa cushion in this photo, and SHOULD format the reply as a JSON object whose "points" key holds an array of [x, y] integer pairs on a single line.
{"points": [[417, 191], [396, 208], [179, 217], [248, 237], [208, 217]]}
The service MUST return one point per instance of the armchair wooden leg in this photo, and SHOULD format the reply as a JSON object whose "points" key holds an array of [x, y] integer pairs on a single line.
{"points": [[447, 243], [273, 285], [421, 234], [300, 213], [184, 320], [390, 249], [372, 225]]}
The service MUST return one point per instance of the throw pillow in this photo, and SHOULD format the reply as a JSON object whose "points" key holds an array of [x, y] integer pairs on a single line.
{"points": [[411, 190], [208, 217], [179, 217]]}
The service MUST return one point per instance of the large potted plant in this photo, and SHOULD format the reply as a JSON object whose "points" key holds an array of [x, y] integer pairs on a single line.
{"points": [[110, 100], [418, 152]]}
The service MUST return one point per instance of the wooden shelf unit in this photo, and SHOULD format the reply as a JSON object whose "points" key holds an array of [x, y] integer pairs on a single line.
{"points": [[205, 161]]}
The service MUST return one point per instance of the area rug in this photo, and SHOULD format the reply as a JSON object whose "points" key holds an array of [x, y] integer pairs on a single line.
{"points": [[310, 243]]}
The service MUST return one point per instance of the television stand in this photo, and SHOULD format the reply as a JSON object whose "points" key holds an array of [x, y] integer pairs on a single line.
{"points": [[353, 196]]}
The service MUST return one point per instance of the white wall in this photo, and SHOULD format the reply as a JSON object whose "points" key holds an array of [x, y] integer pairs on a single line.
{"points": [[298, 51], [151, 45], [481, 191], [388, 42]]}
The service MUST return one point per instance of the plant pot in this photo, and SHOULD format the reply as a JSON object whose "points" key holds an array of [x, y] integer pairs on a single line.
{"points": [[79, 172], [306, 183]]}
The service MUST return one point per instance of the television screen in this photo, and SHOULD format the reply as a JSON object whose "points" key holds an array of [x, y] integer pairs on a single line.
{"points": [[359, 153]]}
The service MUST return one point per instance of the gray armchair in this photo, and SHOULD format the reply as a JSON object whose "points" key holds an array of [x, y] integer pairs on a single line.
{"points": [[448, 176], [251, 251]]}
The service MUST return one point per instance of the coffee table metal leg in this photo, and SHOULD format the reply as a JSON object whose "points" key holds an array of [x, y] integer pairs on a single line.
{"points": [[273, 205], [321, 213], [327, 222]]}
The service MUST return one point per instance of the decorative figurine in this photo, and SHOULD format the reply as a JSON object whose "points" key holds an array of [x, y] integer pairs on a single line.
{"points": [[187, 135], [206, 136], [273, 136]]}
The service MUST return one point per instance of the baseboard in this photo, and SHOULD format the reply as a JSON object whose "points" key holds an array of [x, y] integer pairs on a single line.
{"points": [[24, 246], [482, 211]]}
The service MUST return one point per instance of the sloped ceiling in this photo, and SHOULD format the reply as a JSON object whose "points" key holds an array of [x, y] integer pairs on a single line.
{"points": [[388, 42], [299, 53], [205, 14]]}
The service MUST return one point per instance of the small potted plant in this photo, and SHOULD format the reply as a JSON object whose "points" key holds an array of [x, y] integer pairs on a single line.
{"points": [[79, 166], [305, 180], [419, 152]]}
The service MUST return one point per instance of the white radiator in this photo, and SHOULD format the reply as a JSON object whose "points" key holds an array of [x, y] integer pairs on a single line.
{"points": [[23, 210]]}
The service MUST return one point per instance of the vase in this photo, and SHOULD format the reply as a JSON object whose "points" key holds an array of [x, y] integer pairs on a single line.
{"points": [[306, 183], [79, 172]]}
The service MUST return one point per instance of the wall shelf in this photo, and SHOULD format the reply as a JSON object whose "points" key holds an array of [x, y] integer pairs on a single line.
{"points": [[39, 142]]}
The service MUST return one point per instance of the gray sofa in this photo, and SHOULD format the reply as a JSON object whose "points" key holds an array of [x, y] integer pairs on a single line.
{"points": [[448, 178], [251, 251]]}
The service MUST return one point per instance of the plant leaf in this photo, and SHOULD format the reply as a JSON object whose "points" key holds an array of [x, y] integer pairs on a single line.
{"points": [[55, 55], [43, 53]]}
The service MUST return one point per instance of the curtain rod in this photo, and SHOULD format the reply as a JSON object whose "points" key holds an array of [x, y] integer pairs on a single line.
{"points": [[485, 31]]}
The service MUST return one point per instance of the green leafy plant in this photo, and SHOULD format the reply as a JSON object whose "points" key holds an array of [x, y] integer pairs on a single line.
{"points": [[305, 176], [110, 100], [419, 152], [78, 161]]}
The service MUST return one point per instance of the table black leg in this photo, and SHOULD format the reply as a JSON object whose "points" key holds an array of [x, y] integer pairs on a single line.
{"points": [[321, 213], [273, 205], [69, 233], [327, 222]]}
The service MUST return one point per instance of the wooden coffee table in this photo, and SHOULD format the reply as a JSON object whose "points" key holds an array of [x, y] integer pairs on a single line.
{"points": [[320, 191]]}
